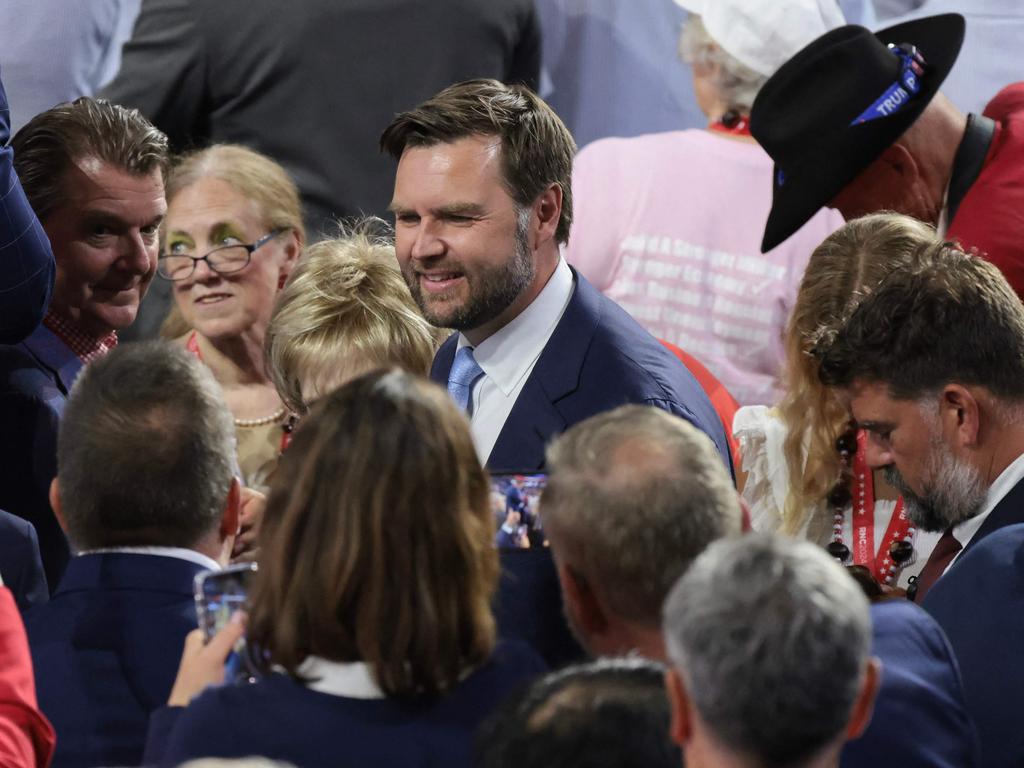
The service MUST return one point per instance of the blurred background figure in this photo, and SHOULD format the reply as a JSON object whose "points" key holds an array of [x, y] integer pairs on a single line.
{"points": [[801, 458], [372, 605], [668, 224], [991, 56], [232, 234], [56, 51], [312, 87], [611, 68], [610, 712], [769, 641], [344, 311]]}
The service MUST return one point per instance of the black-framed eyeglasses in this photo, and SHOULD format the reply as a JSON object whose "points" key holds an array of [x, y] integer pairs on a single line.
{"points": [[223, 260]]}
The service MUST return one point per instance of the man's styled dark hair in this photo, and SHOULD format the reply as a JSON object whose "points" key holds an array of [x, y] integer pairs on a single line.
{"points": [[53, 140], [611, 713], [536, 148], [950, 317], [145, 451]]}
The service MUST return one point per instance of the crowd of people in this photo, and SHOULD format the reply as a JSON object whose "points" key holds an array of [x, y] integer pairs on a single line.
{"points": [[701, 447]]}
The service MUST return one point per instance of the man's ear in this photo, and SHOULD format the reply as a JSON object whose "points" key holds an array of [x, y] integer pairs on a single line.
{"points": [[585, 609], [960, 415], [681, 727], [547, 212], [864, 706], [230, 521], [55, 504], [898, 161]]}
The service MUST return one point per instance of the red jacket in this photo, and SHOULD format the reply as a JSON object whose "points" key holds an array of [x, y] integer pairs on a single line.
{"points": [[991, 215], [26, 737]]}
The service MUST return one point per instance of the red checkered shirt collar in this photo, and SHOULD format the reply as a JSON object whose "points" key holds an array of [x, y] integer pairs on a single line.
{"points": [[87, 348]]}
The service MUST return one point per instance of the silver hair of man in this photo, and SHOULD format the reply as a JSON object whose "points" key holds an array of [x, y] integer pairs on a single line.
{"points": [[634, 495], [771, 638], [145, 450], [736, 83]]}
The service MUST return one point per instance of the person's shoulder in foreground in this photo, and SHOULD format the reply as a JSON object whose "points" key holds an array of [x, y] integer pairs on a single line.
{"points": [[20, 565], [979, 603], [920, 716], [280, 717]]}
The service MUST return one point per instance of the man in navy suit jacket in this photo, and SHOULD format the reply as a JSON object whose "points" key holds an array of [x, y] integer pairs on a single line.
{"points": [[94, 174], [482, 201], [932, 366], [980, 605], [21, 568], [147, 494]]}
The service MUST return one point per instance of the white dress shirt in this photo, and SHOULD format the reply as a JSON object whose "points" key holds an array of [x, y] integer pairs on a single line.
{"points": [[180, 553], [507, 358], [352, 679], [1001, 486]]}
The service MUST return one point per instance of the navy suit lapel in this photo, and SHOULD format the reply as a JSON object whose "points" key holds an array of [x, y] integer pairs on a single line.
{"points": [[1007, 512], [443, 360], [535, 417]]}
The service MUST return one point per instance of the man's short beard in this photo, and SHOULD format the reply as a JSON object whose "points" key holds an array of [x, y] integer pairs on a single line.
{"points": [[493, 289], [954, 491]]}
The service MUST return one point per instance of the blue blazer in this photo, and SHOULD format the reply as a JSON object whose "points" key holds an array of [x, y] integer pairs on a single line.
{"points": [[920, 718], [598, 358], [979, 602], [106, 650], [282, 719], [20, 566], [26, 259], [35, 377]]}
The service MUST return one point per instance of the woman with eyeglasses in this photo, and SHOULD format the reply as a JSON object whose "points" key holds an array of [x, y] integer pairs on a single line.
{"points": [[232, 233]]}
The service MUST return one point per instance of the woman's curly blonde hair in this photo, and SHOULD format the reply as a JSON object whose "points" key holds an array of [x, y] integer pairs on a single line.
{"points": [[847, 266]]}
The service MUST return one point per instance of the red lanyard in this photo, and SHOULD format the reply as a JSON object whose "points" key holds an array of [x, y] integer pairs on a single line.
{"points": [[737, 125], [880, 563]]}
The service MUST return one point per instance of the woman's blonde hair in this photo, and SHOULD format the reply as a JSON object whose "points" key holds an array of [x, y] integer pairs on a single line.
{"points": [[378, 540], [345, 310], [847, 265]]}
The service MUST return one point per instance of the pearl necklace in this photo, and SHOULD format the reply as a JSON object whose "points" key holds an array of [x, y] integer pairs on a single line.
{"points": [[263, 421]]}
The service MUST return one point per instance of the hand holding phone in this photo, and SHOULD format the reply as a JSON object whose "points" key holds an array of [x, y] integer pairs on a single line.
{"points": [[204, 663], [219, 595]]}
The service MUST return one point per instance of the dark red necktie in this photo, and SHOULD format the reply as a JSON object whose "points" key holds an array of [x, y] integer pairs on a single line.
{"points": [[944, 552]]}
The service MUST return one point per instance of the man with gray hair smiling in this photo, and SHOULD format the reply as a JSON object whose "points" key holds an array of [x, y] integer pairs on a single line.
{"points": [[770, 647]]}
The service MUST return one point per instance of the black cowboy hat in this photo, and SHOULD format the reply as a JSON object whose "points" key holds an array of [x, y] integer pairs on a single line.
{"points": [[806, 115]]}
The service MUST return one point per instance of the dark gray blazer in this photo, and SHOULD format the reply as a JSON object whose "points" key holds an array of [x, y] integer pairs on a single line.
{"points": [[314, 83]]}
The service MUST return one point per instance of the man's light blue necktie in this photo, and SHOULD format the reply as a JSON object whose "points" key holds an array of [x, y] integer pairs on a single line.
{"points": [[465, 371]]}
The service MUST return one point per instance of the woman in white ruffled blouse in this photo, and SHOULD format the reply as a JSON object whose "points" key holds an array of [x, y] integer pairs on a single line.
{"points": [[790, 457]]}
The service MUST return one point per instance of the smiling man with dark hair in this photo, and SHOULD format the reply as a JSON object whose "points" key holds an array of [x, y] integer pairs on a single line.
{"points": [[94, 173]]}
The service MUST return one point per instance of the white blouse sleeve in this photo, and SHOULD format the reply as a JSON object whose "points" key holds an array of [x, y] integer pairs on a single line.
{"points": [[760, 434]]}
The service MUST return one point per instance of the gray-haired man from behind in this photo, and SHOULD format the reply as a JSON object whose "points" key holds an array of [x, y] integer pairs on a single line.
{"points": [[769, 641], [633, 496], [146, 491]]}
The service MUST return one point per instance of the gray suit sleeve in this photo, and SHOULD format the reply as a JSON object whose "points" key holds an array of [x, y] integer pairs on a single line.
{"points": [[525, 65], [163, 70]]}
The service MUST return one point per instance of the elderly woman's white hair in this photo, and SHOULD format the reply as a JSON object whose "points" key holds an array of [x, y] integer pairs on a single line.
{"points": [[736, 84]]}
